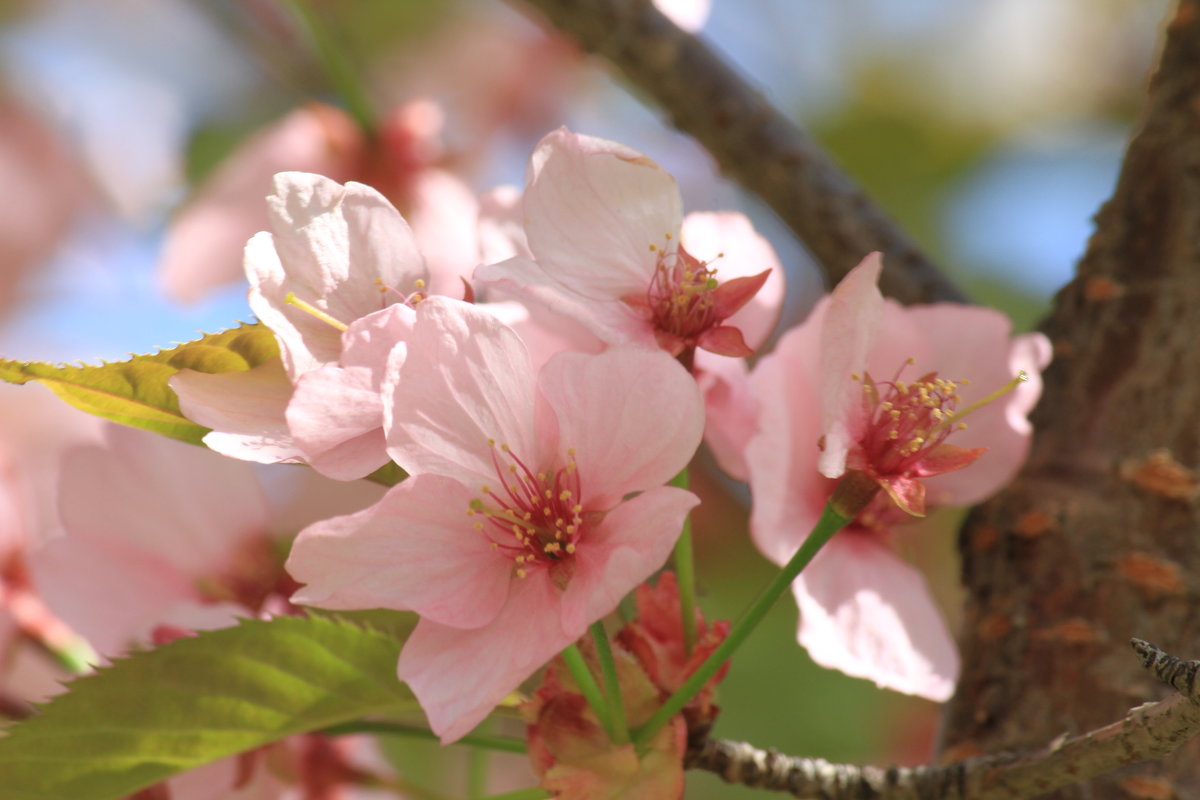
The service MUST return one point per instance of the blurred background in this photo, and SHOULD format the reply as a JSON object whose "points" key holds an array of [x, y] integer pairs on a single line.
{"points": [[137, 138]]}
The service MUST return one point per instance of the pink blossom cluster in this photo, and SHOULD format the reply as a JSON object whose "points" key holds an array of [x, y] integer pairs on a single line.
{"points": [[540, 395]]}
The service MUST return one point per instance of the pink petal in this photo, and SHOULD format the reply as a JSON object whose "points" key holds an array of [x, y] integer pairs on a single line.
{"points": [[460, 675], [246, 411], [611, 320], [631, 543], [414, 550], [851, 319], [501, 225], [728, 240], [335, 246], [906, 492], [865, 612], [336, 412], [946, 458], [781, 457], [633, 416], [731, 410], [203, 247], [106, 589], [466, 380], [336, 419], [724, 341], [156, 494], [976, 344], [442, 211], [593, 208]]}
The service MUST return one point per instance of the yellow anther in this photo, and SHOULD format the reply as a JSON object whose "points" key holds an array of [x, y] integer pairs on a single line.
{"points": [[478, 526], [520, 573], [570, 548], [575, 509], [564, 495], [504, 447], [419, 283]]}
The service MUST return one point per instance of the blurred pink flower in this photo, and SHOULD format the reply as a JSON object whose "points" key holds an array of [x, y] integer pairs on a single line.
{"points": [[863, 610], [514, 532], [36, 167], [609, 247], [203, 248], [164, 539]]}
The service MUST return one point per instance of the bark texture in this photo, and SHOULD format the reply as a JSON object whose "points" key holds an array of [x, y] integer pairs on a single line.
{"points": [[753, 142], [1098, 538]]}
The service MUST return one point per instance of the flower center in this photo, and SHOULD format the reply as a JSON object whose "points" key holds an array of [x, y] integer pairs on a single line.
{"points": [[680, 296], [905, 421], [535, 518]]}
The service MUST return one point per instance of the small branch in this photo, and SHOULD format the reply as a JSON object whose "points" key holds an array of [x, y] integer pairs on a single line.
{"points": [[1146, 733], [752, 141]]}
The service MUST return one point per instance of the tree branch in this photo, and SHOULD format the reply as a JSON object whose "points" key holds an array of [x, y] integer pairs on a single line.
{"points": [[1150, 731], [752, 141]]}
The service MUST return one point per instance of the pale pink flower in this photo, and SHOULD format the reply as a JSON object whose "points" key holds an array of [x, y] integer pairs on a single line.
{"points": [[514, 532], [864, 611], [611, 249], [164, 539], [155, 529], [347, 254], [203, 247]]}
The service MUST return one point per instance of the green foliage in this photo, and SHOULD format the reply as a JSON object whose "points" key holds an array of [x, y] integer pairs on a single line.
{"points": [[196, 700], [135, 392]]}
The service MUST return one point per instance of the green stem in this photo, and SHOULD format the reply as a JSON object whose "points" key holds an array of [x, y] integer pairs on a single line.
{"points": [[685, 573], [829, 524], [501, 743], [522, 794], [342, 76], [612, 686], [478, 761], [587, 684]]}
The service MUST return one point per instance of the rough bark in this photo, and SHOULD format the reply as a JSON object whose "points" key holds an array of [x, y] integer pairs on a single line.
{"points": [[753, 142], [1097, 540]]}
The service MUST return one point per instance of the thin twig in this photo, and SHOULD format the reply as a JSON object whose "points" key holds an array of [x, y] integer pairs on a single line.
{"points": [[752, 141], [1148, 732]]}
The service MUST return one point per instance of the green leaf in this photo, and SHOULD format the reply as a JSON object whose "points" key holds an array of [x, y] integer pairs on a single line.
{"points": [[135, 392], [198, 699]]}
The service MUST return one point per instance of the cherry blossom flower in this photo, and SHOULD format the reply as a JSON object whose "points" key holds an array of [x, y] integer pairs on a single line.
{"points": [[164, 539], [203, 248], [331, 280], [611, 249], [517, 528], [830, 395]]}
